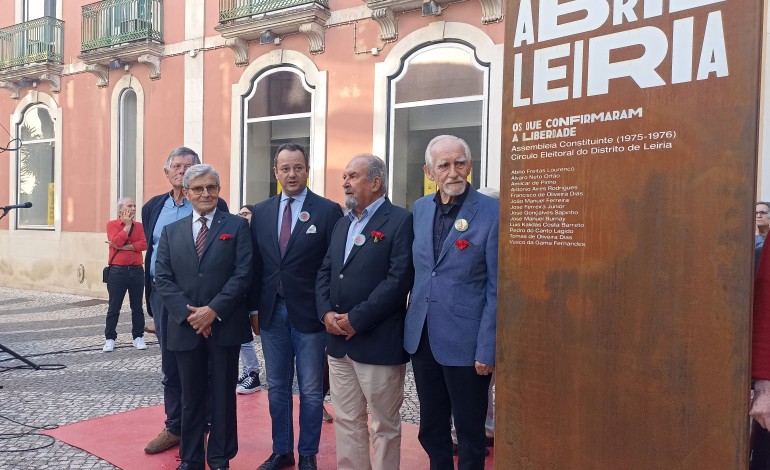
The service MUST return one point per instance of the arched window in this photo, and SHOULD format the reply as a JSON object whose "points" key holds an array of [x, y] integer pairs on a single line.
{"points": [[36, 166], [277, 110], [440, 89], [126, 141], [127, 151]]}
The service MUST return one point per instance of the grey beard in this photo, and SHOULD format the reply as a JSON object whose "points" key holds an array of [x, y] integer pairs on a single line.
{"points": [[351, 202]]}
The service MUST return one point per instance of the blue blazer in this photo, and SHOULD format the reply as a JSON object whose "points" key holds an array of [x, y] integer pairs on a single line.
{"points": [[298, 268], [219, 279], [456, 295]]}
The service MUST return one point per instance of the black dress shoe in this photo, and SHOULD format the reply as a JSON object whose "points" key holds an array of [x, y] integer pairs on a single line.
{"points": [[189, 466], [307, 462], [277, 461]]}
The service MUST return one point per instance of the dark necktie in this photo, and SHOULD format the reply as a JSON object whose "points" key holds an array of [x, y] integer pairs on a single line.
{"points": [[200, 240], [283, 240]]}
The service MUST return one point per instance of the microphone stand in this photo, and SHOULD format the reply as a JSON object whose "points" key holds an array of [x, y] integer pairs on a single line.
{"points": [[18, 356], [4, 348]]}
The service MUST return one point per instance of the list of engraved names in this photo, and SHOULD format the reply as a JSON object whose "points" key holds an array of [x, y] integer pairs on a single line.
{"points": [[544, 208]]}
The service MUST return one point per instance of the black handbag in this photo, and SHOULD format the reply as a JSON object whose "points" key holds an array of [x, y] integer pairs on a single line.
{"points": [[106, 271]]}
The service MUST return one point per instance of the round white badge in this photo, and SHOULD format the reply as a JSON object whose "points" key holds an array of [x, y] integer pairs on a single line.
{"points": [[359, 240], [461, 225], [304, 216]]}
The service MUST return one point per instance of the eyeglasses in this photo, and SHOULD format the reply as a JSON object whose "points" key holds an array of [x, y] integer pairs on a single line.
{"points": [[212, 189], [762, 213]]}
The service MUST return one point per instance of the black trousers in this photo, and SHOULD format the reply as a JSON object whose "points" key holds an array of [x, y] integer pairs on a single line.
{"points": [[172, 388], [122, 279], [760, 447], [209, 373], [446, 391]]}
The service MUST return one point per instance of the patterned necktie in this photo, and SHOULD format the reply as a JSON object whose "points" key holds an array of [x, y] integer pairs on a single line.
{"points": [[200, 240], [283, 240]]}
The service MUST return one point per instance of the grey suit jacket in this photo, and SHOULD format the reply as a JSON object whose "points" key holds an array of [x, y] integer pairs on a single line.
{"points": [[219, 279]]}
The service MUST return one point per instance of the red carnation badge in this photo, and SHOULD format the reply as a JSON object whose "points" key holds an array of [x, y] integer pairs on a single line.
{"points": [[225, 236], [462, 244], [377, 236]]}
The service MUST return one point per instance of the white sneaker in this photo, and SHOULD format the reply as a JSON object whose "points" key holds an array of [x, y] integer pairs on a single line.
{"points": [[109, 345], [139, 343]]}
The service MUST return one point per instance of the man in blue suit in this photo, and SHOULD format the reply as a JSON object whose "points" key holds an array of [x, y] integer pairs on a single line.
{"points": [[203, 270], [450, 324], [291, 232]]}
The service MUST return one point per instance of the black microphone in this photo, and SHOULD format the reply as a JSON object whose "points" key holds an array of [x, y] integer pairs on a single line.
{"points": [[26, 205]]}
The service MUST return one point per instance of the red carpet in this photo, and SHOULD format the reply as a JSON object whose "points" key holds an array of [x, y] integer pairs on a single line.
{"points": [[120, 439]]}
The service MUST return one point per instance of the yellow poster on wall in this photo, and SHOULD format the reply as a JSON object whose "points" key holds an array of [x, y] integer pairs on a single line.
{"points": [[50, 203]]}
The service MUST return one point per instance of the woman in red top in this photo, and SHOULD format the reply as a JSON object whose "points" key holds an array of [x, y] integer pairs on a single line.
{"points": [[127, 242]]}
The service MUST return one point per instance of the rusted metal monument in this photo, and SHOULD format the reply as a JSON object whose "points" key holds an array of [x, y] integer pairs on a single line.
{"points": [[630, 138]]}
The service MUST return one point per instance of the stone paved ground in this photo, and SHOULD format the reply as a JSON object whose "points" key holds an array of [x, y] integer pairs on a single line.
{"points": [[51, 329]]}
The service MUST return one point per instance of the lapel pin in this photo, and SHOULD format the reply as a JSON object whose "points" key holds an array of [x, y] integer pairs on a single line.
{"points": [[461, 225], [304, 216], [359, 240]]}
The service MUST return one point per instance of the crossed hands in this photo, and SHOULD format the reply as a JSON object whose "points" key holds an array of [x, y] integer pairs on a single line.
{"points": [[338, 324], [201, 319]]}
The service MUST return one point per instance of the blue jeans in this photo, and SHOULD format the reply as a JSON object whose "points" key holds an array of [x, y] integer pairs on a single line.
{"points": [[249, 358], [172, 386], [281, 344]]}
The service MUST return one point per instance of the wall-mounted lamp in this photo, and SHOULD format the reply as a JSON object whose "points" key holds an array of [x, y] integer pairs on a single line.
{"points": [[430, 8], [266, 37]]}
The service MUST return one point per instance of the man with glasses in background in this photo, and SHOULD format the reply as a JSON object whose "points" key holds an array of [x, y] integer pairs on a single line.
{"points": [[762, 220], [158, 212]]}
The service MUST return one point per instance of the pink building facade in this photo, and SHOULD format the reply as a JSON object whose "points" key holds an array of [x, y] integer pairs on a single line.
{"points": [[98, 95]]}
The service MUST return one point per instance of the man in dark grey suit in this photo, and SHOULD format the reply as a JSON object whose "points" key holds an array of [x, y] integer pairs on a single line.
{"points": [[202, 272], [361, 298]]}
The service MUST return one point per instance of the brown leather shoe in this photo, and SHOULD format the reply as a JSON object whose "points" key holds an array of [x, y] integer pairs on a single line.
{"points": [[149, 329], [165, 440]]}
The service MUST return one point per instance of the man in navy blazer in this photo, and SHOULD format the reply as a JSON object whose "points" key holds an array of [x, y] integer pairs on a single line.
{"points": [[450, 324], [291, 232], [203, 270], [158, 212], [361, 298]]}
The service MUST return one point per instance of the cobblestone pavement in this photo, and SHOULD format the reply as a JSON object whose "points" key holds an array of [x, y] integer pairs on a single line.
{"points": [[58, 329]]}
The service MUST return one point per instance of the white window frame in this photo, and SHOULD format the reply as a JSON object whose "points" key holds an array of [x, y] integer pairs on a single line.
{"points": [[486, 51], [21, 6], [34, 98], [282, 117], [313, 78], [483, 98], [126, 82]]}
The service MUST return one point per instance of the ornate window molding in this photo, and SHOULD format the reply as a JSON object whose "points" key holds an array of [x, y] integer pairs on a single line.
{"points": [[317, 150], [128, 81]]}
